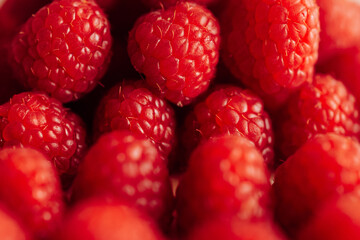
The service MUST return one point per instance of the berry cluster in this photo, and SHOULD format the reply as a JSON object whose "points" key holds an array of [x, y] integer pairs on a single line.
{"points": [[180, 119]]}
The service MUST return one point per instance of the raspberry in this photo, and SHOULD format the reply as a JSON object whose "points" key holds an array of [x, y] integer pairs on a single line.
{"points": [[326, 166], [10, 228], [271, 45], [130, 168], [35, 120], [102, 220], [226, 176], [29, 187], [63, 49], [129, 105], [340, 21], [337, 219], [177, 49], [231, 110], [237, 230], [321, 107], [169, 3]]}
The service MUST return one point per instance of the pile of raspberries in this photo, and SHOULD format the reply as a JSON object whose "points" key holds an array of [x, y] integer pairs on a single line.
{"points": [[177, 119]]}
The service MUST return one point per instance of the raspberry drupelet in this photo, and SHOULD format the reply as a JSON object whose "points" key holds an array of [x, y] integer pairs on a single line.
{"points": [[271, 46], [35, 120], [325, 167], [169, 3], [319, 107], [127, 167], [233, 111], [226, 176], [130, 105], [177, 50], [63, 49]]}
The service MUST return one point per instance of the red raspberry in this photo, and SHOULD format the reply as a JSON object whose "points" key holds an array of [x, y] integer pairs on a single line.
{"points": [[231, 110], [129, 105], [169, 3], [64, 49], [321, 107], [237, 230], [128, 167], [340, 21], [30, 187], [337, 219], [34, 120], [271, 45], [226, 176], [177, 49], [324, 167], [101, 220], [10, 228]]}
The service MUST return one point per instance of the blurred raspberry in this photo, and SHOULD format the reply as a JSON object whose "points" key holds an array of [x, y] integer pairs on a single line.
{"points": [[325, 167], [177, 50], [63, 49], [226, 176], [232, 111], [271, 46], [10, 228], [130, 168], [130, 105], [321, 107]]}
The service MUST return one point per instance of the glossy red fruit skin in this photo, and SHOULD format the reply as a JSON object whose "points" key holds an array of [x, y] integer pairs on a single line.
{"points": [[169, 3], [177, 50], [235, 229], [320, 107], [63, 49], [337, 219], [128, 167], [225, 176], [326, 166], [30, 187], [10, 227], [231, 110], [271, 46], [99, 219], [130, 105], [32, 119]]}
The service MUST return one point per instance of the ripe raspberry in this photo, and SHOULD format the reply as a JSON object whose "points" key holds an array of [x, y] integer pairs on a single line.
{"points": [[340, 21], [324, 167], [177, 49], [231, 110], [337, 219], [34, 120], [271, 45], [128, 167], [129, 105], [169, 3], [235, 229], [226, 176], [321, 107], [10, 228], [29, 187], [63, 49], [101, 220]]}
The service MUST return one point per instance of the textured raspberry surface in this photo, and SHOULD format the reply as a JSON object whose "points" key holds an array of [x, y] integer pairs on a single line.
{"points": [[321, 107], [226, 176], [34, 120], [10, 229], [232, 111], [340, 21], [128, 167], [63, 49], [177, 49], [101, 220], [337, 219], [130, 105], [30, 187], [271, 45], [324, 167], [169, 3], [236, 230]]}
